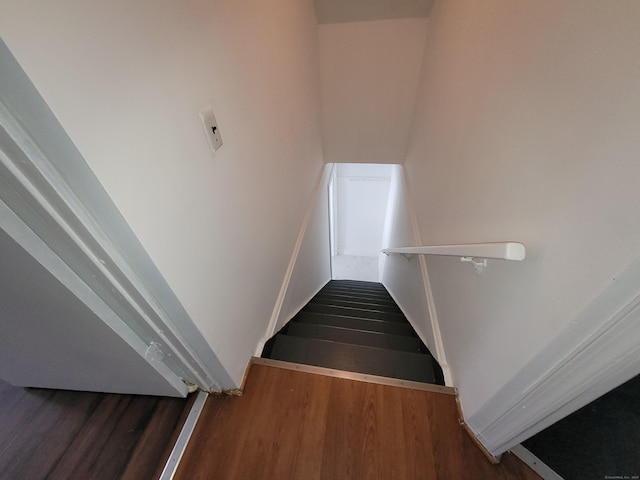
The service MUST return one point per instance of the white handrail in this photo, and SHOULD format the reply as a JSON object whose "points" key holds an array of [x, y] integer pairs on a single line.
{"points": [[502, 250]]}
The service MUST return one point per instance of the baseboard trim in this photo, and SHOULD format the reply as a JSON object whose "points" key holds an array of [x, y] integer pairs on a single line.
{"points": [[494, 459], [358, 377], [171, 467], [534, 463], [435, 324], [275, 314], [439, 354]]}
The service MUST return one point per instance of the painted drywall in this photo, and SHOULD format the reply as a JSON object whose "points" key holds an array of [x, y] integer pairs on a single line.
{"points": [[525, 129], [127, 81], [400, 275], [369, 73], [312, 266]]}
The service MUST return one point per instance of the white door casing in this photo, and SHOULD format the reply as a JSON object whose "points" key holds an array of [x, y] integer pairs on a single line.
{"points": [[48, 190]]}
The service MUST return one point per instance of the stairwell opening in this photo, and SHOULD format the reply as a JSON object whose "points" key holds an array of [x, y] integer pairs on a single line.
{"points": [[353, 324], [358, 200]]}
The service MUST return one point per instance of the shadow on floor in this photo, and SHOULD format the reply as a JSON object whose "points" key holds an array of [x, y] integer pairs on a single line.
{"points": [[599, 441]]}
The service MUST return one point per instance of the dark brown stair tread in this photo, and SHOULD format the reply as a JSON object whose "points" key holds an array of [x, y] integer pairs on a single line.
{"points": [[355, 337], [352, 303], [358, 284], [355, 287], [355, 298], [354, 358], [354, 291], [355, 326], [373, 325], [354, 312]]}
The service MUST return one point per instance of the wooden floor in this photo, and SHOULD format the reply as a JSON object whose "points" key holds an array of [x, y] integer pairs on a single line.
{"points": [[57, 434], [294, 425]]}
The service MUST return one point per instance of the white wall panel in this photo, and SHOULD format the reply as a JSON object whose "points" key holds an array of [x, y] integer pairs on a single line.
{"points": [[127, 80]]}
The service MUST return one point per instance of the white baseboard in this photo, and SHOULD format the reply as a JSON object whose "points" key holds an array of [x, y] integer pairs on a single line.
{"points": [[440, 354], [277, 309]]}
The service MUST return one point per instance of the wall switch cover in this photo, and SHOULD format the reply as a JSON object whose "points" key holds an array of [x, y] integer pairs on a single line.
{"points": [[211, 129]]}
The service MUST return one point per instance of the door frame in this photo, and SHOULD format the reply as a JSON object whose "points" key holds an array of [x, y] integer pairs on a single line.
{"points": [[47, 184]]}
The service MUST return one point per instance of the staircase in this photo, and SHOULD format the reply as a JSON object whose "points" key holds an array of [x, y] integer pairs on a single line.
{"points": [[356, 327]]}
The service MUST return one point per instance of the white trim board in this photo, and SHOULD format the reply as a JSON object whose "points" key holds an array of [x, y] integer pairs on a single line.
{"points": [[17, 230], [598, 351], [50, 187], [439, 354]]}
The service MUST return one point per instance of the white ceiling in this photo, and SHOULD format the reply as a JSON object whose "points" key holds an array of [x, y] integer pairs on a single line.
{"points": [[339, 11]]}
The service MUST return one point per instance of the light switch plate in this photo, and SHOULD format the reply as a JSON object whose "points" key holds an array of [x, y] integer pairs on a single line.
{"points": [[211, 129]]}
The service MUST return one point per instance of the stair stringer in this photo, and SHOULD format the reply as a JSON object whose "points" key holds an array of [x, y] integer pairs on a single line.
{"points": [[282, 311], [401, 192]]}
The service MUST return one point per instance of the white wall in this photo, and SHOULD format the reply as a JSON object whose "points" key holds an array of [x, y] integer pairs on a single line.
{"points": [[311, 268], [369, 74], [526, 129], [127, 80]]}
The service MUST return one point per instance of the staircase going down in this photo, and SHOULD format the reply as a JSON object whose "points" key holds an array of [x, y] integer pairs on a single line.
{"points": [[355, 326]]}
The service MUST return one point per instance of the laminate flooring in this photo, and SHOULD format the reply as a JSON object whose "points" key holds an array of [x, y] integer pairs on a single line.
{"points": [[57, 434], [295, 425]]}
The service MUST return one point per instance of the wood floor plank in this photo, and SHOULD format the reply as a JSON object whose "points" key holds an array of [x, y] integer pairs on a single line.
{"points": [[272, 445], [10, 396], [449, 452], [343, 434], [264, 437], [64, 434], [297, 425], [250, 427], [13, 421], [25, 443], [417, 442], [313, 430], [46, 437], [216, 428], [154, 447], [127, 428], [307, 409], [373, 453], [81, 455]]}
